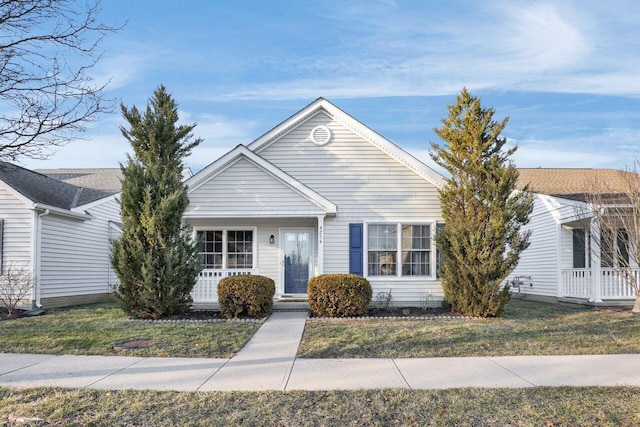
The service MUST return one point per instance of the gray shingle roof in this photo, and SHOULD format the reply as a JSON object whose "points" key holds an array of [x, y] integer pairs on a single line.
{"points": [[67, 191], [96, 183]]}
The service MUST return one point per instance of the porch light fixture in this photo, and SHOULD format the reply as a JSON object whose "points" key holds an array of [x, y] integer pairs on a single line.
{"points": [[272, 239]]}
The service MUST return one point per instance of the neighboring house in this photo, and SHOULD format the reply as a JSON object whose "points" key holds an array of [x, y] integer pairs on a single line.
{"points": [[56, 224], [319, 193], [562, 262]]}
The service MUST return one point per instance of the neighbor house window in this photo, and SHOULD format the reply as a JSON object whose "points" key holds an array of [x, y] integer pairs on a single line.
{"points": [[398, 249], [623, 248], [614, 249], [226, 248], [579, 248]]}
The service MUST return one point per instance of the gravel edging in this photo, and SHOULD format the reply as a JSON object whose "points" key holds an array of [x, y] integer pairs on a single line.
{"points": [[262, 320], [438, 317]]}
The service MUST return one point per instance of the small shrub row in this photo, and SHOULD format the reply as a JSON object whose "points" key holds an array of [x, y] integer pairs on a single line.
{"points": [[339, 295], [246, 296]]}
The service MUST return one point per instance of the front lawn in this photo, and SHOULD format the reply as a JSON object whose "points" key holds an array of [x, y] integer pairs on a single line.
{"points": [[540, 406], [97, 329], [527, 328]]}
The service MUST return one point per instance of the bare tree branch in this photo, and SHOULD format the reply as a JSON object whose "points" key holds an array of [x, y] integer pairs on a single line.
{"points": [[47, 49], [615, 206]]}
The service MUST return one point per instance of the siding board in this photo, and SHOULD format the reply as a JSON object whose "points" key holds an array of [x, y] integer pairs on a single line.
{"points": [[17, 229], [75, 254]]}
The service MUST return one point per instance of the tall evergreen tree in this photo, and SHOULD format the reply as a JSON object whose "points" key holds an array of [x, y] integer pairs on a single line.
{"points": [[156, 259], [481, 241]]}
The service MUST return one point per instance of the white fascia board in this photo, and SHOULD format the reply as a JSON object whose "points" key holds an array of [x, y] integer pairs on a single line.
{"points": [[386, 146], [262, 215], [82, 208], [61, 212], [240, 151]]}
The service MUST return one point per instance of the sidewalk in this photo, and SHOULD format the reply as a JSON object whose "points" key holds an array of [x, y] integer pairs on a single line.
{"points": [[268, 362]]}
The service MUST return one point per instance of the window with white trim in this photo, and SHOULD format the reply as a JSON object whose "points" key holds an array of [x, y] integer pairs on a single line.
{"points": [[222, 249], [382, 247], [416, 250], [240, 249], [398, 249]]}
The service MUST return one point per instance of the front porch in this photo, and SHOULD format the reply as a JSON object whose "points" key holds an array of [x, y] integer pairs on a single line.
{"points": [[609, 284], [205, 292]]}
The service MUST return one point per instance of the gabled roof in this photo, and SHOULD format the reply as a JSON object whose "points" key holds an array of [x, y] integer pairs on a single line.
{"points": [[96, 183], [574, 183], [39, 188], [357, 127], [242, 151], [60, 188]]}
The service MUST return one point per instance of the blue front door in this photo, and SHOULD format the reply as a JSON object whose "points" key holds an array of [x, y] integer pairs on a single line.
{"points": [[297, 261]]}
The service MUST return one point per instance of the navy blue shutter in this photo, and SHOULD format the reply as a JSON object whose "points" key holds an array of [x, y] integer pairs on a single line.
{"points": [[439, 228], [355, 249]]}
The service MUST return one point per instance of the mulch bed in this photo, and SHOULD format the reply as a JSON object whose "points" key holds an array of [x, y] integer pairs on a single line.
{"points": [[408, 312], [210, 315], [17, 314]]}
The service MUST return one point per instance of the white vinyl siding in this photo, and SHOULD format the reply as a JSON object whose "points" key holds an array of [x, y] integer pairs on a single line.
{"points": [[546, 256], [74, 257], [244, 189], [17, 230], [366, 184]]}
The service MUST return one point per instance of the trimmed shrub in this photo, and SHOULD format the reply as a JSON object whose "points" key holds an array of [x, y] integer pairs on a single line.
{"points": [[339, 295], [246, 296]]}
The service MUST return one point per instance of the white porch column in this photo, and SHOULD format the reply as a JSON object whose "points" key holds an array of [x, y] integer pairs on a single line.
{"points": [[559, 276], [596, 271], [320, 244]]}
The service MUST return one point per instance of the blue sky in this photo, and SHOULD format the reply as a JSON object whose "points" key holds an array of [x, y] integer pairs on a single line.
{"points": [[567, 73]]}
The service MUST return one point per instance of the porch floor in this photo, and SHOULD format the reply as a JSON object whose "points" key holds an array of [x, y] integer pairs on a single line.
{"points": [[283, 304]]}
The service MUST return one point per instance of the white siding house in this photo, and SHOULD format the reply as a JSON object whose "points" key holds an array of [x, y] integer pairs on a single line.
{"points": [[59, 232], [563, 262], [319, 193]]}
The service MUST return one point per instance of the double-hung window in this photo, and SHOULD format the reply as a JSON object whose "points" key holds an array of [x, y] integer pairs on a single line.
{"points": [[416, 250], [383, 250], [222, 249], [398, 249]]}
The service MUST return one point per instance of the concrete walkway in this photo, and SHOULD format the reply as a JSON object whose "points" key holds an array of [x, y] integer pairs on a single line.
{"points": [[268, 362]]}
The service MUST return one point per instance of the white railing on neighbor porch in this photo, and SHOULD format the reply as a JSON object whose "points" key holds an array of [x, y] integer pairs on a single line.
{"points": [[615, 284], [578, 283], [206, 288]]}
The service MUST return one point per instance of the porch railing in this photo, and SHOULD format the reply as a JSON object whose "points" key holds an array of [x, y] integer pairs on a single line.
{"points": [[206, 288], [577, 283], [614, 284]]}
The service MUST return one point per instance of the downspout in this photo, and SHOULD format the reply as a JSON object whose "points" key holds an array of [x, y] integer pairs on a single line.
{"points": [[36, 257]]}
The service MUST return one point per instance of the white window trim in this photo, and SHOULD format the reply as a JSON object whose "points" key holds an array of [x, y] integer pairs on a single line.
{"points": [[398, 275], [225, 261]]}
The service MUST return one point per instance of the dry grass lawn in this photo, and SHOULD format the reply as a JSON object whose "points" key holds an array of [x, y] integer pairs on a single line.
{"points": [[527, 328]]}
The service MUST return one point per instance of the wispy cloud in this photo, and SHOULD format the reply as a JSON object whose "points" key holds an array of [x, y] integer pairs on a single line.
{"points": [[538, 47]]}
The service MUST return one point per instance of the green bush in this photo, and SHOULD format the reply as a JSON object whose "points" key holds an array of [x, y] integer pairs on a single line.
{"points": [[339, 295], [246, 296]]}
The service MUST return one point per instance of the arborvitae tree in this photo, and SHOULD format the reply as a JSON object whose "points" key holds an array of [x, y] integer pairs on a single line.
{"points": [[481, 241], [156, 259]]}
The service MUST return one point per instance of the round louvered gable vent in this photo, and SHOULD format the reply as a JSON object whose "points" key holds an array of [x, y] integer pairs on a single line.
{"points": [[321, 135]]}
